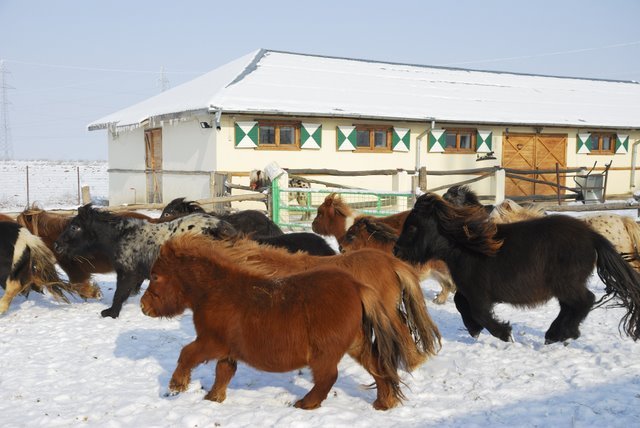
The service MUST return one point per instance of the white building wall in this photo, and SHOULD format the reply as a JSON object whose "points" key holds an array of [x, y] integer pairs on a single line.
{"points": [[191, 153]]}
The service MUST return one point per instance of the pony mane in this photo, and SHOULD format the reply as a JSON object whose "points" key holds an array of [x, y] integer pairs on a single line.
{"points": [[89, 213], [42, 223], [377, 230], [181, 205], [509, 212], [217, 252], [465, 225]]}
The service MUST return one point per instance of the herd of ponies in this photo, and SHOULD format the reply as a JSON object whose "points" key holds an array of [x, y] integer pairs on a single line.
{"points": [[282, 301]]}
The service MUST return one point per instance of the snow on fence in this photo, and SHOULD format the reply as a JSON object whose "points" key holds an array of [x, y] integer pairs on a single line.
{"points": [[51, 184]]}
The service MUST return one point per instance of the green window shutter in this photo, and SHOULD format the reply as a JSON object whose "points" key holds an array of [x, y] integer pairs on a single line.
{"points": [[246, 135], [310, 136], [622, 144], [483, 142], [437, 141], [583, 143], [346, 137], [400, 139]]}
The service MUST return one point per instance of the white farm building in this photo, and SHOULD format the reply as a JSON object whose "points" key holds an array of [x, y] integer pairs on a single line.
{"points": [[306, 111]]}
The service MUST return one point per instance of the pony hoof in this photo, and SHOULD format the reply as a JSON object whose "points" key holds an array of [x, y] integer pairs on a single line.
{"points": [[384, 405], [439, 300], [110, 313], [300, 404], [217, 397]]}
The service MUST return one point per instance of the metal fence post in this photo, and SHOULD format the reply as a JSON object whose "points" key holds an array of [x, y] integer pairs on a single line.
{"points": [[275, 199], [28, 186]]}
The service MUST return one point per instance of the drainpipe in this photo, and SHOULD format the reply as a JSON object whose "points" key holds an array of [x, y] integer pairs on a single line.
{"points": [[419, 140], [634, 153]]}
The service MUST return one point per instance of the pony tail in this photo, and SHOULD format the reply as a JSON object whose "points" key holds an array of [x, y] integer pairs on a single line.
{"points": [[381, 341], [633, 230], [423, 329], [621, 282]]}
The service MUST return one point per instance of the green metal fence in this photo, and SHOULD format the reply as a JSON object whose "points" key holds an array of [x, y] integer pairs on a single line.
{"points": [[295, 208]]}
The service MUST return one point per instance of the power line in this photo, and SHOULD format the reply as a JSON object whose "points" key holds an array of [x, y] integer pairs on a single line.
{"points": [[617, 45], [6, 146], [114, 70]]}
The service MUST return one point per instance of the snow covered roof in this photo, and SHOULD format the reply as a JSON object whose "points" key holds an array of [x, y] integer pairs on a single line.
{"points": [[284, 83]]}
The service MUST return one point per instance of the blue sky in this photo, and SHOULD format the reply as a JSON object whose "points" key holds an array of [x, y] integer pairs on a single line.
{"points": [[70, 62]]}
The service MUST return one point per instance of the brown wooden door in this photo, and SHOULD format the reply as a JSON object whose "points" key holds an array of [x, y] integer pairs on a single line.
{"points": [[153, 164], [533, 152]]}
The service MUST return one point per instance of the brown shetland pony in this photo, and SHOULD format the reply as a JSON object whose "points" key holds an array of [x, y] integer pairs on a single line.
{"points": [[396, 282], [369, 232], [276, 325], [335, 218]]}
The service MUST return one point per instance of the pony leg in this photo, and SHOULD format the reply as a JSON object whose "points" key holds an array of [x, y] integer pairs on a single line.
{"points": [[12, 289], [462, 304], [325, 374], [482, 315], [125, 284], [193, 354], [440, 272], [225, 369], [567, 323], [387, 391]]}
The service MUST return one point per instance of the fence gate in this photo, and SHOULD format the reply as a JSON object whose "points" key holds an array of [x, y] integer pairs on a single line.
{"points": [[530, 152], [290, 210]]}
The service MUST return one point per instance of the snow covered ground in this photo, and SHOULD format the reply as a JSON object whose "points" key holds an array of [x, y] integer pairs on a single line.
{"points": [[62, 365]]}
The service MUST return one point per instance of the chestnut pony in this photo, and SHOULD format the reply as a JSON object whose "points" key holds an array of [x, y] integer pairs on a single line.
{"points": [[335, 218], [369, 232], [524, 263], [396, 282], [275, 325]]}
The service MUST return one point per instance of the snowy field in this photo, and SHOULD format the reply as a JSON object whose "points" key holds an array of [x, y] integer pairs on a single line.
{"points": [[53, 184], [62, 365]]}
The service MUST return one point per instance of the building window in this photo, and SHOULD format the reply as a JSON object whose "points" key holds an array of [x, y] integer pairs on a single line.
{"points": [[280, 135], [602, 143], [373, 138], [460, 141]]}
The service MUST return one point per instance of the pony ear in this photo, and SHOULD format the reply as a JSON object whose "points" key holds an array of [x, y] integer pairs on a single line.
{"points": [[85, 210]]}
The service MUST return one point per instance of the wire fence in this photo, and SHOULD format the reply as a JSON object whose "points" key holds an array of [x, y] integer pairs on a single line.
{"points": [[51, 184]]}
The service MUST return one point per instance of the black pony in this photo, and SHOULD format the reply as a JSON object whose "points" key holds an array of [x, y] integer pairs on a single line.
{"points": [[132, 244], [313, 244], [258, 227], [249, 222], [524, 264]]}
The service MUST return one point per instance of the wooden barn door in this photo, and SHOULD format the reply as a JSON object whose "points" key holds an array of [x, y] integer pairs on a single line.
{"points": [[153, 164], [531, 152]]}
